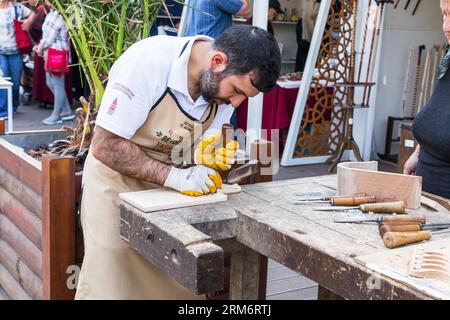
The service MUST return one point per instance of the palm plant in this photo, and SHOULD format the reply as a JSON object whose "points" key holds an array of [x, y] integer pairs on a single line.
{"points": [[100, 31]]}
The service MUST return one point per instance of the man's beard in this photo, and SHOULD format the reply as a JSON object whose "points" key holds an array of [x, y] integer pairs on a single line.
{"points": [[210, 85]]}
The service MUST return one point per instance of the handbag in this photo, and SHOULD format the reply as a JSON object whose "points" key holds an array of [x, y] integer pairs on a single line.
{"points": [[57, 61], [24, 44]]}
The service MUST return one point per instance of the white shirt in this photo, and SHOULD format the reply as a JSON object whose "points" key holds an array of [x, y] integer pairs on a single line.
{"points": [[141, 76]]}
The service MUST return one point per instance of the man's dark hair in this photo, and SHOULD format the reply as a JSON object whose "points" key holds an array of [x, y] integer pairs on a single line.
{"points": [[251, 49]]}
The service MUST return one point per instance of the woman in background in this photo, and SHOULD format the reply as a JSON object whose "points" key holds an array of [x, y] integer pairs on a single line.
{"points": [[431, 160], [55, 36], [11, 65]]}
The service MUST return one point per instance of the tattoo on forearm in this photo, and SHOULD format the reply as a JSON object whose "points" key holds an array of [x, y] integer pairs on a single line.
{"points": [[127, 158]]}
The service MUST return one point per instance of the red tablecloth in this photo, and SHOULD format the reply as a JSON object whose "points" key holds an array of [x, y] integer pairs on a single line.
{"points": [[278, 107]]}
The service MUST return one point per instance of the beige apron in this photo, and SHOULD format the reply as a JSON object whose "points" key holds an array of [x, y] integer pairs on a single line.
{"points": [[111, 269]]}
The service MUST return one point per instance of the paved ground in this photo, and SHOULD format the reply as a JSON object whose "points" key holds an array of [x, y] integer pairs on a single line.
{"points": [[29, 117]]}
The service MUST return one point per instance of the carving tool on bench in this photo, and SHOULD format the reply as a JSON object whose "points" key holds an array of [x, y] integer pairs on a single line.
{"points": [[326, 198], [397, 239], [400, 220], [235, 175], [387, 207], [342, 201], [386, 227]]}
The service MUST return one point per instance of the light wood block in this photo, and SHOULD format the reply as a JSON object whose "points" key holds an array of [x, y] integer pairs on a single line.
{"points": [[165, 199], [364, 177]]}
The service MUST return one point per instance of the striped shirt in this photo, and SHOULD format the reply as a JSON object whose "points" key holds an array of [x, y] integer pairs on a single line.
{"points": [[211, 17], [54, 32]]}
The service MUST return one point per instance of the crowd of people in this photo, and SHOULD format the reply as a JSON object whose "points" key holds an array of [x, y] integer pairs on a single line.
{"points": [[46, 31]]}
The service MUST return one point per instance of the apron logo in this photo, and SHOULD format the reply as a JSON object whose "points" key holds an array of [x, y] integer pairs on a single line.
{"points": [[112, 107]]}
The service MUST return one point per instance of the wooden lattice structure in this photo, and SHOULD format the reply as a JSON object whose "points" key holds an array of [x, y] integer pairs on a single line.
{"points": [[322, 128]]}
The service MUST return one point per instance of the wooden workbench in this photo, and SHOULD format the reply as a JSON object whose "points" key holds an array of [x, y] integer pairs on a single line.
{"points": [[189, 243]]}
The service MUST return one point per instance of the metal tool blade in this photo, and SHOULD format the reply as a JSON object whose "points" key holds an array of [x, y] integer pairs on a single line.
{"points": [[437, 226], [356, 221], [247, 170], [335, 208]]}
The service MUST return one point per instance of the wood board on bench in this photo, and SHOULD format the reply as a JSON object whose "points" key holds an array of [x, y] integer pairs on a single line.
{"points": [[395, 263], [356, 177], [165, 199]]}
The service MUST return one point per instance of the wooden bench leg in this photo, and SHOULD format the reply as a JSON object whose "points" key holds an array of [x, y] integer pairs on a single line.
{"points": [[245, 273], [325, 294]]}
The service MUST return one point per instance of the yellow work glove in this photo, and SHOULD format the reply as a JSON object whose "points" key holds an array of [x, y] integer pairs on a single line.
{"points": [[210, 153], [195, 181]]}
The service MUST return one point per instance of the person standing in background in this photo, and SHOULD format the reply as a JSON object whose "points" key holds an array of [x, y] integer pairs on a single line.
{"points": [[431, 160], [274, 11], [212, 17], [305, 30], [55, 36], [11, 64], [41, 92]]}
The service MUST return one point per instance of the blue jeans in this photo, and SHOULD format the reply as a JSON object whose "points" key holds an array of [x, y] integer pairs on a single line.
{"points": [[12, 67], [57, 87]]}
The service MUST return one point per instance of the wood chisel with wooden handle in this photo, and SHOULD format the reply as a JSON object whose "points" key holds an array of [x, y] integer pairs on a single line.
{"points": [[302, 197], [397, 239], [344, 201], [402, 219], [386, 207], [384, 228]]}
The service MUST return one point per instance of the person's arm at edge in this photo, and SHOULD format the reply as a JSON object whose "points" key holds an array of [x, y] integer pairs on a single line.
{"points": [[245, 9], [125, 157], [411, 165]]}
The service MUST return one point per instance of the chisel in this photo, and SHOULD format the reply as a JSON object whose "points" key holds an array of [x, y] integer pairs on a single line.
{"points": [[342, 201], [397, 239], [383, 228], [302, 197], [387, 207], [400, 220]]}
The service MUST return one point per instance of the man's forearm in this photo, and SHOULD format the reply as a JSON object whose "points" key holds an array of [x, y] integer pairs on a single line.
{"points": [[127, 158]]}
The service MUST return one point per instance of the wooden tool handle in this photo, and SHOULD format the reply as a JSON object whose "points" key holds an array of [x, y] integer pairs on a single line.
{"points": [[411, 219], [387, 207], [398, 228], [396, 239], [329, 198], [227, 133], [353, 201]]}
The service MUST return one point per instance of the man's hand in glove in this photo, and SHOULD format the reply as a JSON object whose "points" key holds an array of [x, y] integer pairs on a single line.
{"points": [[195, 181], [210, 153]]}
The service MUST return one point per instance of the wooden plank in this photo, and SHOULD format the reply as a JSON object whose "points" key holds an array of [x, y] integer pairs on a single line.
{"points": [[20, 271], [58, 225], [3, 295], [176, 247], [11, 286], [309, 293], [164, 199], [28, 197], [27, 222], [27, 251], [395, 264], [442, 201], [20, 165], [30, 282], [2, 127], [9, 258], [363, 177]]}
